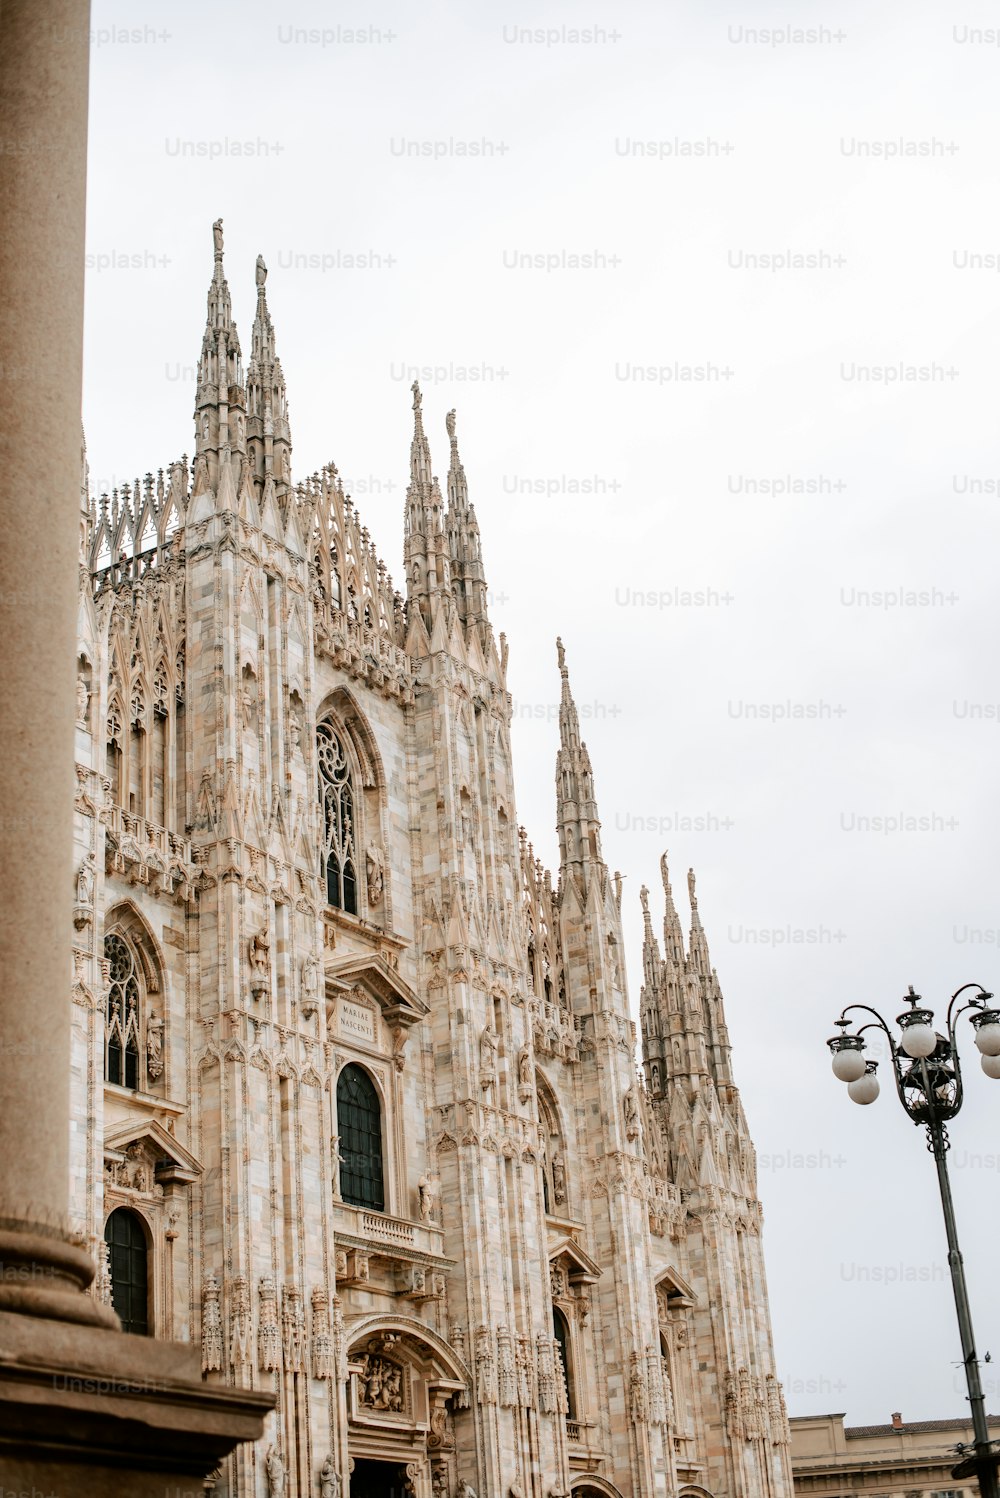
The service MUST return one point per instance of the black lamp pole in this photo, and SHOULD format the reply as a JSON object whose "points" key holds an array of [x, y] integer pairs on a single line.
{"points": [[928, 1079]]}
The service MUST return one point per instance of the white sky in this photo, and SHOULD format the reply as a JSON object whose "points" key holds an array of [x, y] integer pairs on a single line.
{"points": [[861, 1303]]}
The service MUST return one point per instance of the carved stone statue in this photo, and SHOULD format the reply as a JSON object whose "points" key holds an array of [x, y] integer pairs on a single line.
{"points": [[260, 962], [217, 236], [631, 1115], [248, 699], [489, 1044], [82, 701], [275, 1469], [428, 1187], [260, 272], [375, 860], [525, 1077], [154, 1047], [558, 1179], [85, 881], [310, 985], [329, 1480]]}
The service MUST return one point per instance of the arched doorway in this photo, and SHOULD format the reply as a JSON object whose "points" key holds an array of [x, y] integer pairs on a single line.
{"points": [[128, 1257]]}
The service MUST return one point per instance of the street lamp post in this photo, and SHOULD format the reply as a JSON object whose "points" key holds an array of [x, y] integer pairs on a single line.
{"points": [[928, 1079]]}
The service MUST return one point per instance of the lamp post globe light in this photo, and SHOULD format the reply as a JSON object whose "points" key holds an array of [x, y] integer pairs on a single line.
{"points": [[928, 1077]]}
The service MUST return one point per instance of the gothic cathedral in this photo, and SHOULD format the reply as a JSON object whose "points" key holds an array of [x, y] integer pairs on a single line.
{"points": [[356, 1101]]}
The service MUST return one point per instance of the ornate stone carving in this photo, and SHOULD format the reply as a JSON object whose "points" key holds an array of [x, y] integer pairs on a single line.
{"points": [[242, 1332], [486, 1386], [323, 1361], [329, 1480], [525, 1074], [638, 1394], [293, 1329], [380, 1385], [558, 1180], [506, 1369], [268, 1338], [546, 1375], [154, 1047], [211, 1325]]}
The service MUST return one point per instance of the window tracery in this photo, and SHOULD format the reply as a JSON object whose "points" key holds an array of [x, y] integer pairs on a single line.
{"points": [[339, 853]]}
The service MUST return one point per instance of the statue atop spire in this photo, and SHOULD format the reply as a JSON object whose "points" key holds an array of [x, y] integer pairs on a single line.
{"points": [[220, 370], [269, 432], [691, 892]]}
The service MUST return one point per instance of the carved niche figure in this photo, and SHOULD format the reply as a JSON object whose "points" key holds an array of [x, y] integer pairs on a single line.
{"points": [[558, 1180], [85, 881], [248, 698], [154, 1047], [310, 985], [375, 860], [82, 701], [329, 1480], [260, 961], [525, 1076], [296, 726], [489, 1044], [558, 1282], [275, 1469]]}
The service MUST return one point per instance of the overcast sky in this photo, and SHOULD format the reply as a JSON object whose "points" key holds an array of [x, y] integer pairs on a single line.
{"points": [[762, 674]]}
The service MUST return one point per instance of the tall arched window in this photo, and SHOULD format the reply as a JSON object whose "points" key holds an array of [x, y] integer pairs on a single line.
{"points": [[561, 1331], [127, 1254], [359, 1125], [122, 1050], [339, 858]]}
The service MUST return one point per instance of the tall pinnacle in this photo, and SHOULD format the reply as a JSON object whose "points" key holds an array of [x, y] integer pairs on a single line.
{"points": [[218, 431], [420, 452], [577, 820], [425, 546], [270, 438], [468, 579]]}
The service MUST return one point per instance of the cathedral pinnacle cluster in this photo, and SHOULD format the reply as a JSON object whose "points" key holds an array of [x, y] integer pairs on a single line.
{"points": [[356, 1101]]}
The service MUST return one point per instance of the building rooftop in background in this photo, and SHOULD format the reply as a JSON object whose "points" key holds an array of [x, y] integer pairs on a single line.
{"points": [[901, 1459]]}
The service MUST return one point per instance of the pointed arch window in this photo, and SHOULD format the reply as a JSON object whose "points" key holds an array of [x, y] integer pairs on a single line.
{"points": [[128, 1261], [359, 1125], [122, 1049], [339, 857]]}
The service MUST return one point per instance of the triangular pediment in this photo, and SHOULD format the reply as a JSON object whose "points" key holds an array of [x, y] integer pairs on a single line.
{"points": [[581, 1265], [173, 1161], [400, 1005], [676, 1289]]}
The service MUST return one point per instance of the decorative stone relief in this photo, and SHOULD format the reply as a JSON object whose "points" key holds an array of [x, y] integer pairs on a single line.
{"points": [[293, 1329], [322, 1338], [268, 1337], [242, 1333], [211, 1325], [486, 1388], [506, 1370], [380, 1385], [260, 963]]}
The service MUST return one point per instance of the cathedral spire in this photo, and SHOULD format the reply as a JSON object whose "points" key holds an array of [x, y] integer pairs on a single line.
{"points": [[577, 820], [673, 935], [268, 432], [218, 411], [698, 958], [425, 548], [463, 540]]}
